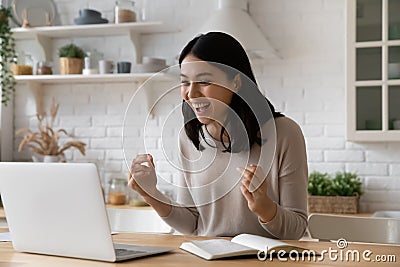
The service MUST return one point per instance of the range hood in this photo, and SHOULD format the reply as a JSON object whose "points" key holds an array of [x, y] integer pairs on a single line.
{"points": [[232, 17]]}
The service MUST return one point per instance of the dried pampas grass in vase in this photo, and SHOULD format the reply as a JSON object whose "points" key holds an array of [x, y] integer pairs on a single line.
{"points": [[45, 143]]}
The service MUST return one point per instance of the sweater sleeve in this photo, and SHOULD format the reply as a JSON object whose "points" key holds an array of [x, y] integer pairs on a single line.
{"points": [[183, 219], [290, 221], [184, 215]]}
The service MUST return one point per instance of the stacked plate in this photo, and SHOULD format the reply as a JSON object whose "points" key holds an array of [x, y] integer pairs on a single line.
{"points": [[150, 64], [38, 12]]}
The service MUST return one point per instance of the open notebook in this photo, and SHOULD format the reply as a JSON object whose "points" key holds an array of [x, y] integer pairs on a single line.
{"points": [[240, 245]]}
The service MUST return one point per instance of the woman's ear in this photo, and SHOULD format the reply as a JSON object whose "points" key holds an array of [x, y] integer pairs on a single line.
{"points": [[237, 82]]}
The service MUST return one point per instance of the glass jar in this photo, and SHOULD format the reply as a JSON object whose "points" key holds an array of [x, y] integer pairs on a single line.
{"points": [[23, 65], [144, 10], [135, 199], [117, 191], [44, 68], [124, 11]]}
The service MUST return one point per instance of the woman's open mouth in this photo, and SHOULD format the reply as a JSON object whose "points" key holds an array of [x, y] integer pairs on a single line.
{"points": [[201, 107]]}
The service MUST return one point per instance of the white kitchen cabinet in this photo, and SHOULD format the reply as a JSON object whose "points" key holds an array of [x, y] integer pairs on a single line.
{"points": [[373, 70]]}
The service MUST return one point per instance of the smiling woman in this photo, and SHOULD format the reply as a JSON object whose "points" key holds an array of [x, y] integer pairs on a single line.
{"points": [[243, 165], [206, 90]]}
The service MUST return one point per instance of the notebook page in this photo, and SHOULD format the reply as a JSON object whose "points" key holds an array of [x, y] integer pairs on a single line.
{"points": [[258, 242], [220, 246]]}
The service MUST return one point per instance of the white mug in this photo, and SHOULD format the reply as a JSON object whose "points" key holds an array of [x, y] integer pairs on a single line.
{"points": [[106, 66]]}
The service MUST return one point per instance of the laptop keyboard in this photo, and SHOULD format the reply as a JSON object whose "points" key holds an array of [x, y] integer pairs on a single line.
{"points": [[127, 252]]}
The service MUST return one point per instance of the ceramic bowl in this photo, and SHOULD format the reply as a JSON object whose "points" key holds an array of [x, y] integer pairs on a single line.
{"points": [[154, 61], [89, 13], [89, 16], [145, 68]]}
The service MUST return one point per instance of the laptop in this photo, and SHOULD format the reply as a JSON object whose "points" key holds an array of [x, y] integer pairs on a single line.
{"points": [[58, 209]]}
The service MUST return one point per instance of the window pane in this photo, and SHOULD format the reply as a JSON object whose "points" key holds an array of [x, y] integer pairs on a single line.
{"points": [[394, 20], [369, 20], [394, 62], [369, 108], [369, 64], [394, 107]]}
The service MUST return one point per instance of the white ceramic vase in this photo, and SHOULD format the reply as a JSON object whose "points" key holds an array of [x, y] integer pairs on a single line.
{"points": [[47, 158], [51, 159]]}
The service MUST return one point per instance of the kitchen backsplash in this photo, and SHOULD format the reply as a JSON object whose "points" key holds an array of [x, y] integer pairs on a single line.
{"points": [[307, 84]]}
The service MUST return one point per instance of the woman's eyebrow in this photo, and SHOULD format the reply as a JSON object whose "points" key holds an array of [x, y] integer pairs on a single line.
{"points": [[198, 75], [204, 74]]}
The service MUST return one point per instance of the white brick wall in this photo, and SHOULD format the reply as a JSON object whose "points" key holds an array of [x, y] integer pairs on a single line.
{"points": [[307, 84]]}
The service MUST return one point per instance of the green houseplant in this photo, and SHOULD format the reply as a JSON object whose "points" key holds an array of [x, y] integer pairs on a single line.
{"points": [[337, 194], [71, 59], [7, 56]]}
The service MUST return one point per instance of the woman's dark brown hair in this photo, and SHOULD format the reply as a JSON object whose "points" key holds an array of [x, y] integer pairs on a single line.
{"points": [[253, 109]]}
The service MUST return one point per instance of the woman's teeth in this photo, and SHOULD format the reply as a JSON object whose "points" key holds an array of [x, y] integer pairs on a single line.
{"points": [[200, 106]]}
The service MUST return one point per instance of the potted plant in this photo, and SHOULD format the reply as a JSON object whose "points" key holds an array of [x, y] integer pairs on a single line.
{"points": [[45, 143], [338, 194], [7, 56], [71, 59]]}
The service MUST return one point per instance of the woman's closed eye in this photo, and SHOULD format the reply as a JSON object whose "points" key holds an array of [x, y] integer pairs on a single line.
{"points": [[204, 82], [185, 83]]}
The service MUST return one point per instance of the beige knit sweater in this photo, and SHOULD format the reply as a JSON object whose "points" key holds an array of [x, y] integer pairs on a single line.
{"points": [[210, 202]]}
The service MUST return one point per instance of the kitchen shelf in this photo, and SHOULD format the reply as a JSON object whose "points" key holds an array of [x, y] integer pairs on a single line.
{"points": [[108, 29], [43, 35], [94, 78]]}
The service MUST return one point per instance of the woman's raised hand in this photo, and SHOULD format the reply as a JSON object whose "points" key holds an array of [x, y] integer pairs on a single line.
{"points": [[254, 189], [142, 177]]}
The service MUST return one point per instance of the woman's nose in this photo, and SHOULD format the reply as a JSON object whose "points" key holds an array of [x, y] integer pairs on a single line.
{"points": [[193, 90]]}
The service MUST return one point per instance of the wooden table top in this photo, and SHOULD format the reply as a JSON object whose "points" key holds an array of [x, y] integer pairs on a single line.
{"points": [[178, 257]]}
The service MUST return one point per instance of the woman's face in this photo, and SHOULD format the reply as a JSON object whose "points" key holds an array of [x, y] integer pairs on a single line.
{"points": [[206, 89]]}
